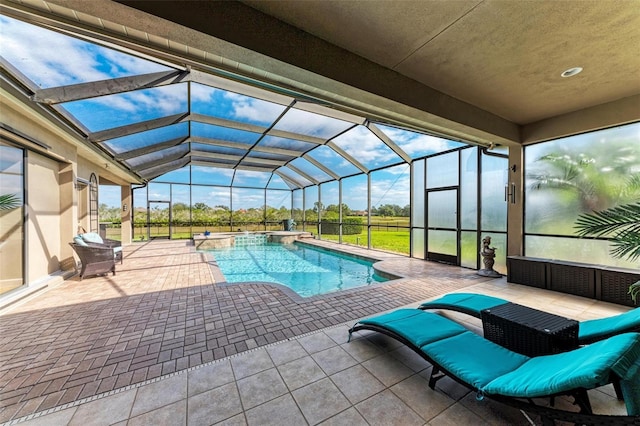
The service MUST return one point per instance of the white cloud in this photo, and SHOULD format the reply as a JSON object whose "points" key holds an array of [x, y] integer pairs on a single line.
{"points": [[416, 144], [166, 99], [254, 110], [306, 123], [365, 147], [52, 59], [202, 93]]}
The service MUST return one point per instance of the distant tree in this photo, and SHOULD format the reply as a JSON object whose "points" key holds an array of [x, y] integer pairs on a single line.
{"points": [[346, 211], [180, 206], [200, 206], [389, 210]]}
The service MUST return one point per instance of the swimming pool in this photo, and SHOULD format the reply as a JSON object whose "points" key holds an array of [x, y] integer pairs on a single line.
{"points": [[307, 270]]}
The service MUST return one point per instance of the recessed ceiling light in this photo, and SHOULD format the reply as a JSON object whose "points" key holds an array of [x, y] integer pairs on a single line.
{"points": [[571, 72]]}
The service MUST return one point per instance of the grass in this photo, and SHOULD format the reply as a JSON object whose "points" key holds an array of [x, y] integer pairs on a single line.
{"points": [[387, 233]]}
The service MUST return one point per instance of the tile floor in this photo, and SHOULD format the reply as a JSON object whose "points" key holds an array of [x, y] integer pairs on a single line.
{"points": [[163, 305]]}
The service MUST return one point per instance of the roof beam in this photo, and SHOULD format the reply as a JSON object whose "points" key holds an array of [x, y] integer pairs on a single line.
{"points": [[154, 172], [219, 142], [288, 179], [138, 127], [296, 136], [281, 151], [127, 155], [303, 174], [329, 112], [254, 168], [18, 75], [211, 164], [264, 161], [349, 158], [234, 86], [320, 166], [206, 119], [204, 154], [75, 92], [159, 162], [391, 144], [246, 147]]}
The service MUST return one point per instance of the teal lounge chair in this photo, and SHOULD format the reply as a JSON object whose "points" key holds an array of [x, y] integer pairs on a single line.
{"points": [[588, 331], [508, 377]]}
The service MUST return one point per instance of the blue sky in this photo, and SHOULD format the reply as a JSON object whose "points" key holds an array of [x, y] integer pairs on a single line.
{"points": [[51, 59]]}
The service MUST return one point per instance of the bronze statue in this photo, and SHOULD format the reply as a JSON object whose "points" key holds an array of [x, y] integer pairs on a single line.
{"points": [[488, 254]]}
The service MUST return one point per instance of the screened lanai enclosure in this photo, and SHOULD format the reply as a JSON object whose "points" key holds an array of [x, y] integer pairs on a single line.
{"points": [[213, 151], [216, 154]]}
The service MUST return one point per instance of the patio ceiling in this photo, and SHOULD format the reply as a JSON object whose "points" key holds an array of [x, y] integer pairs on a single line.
{"points": [[306, 92]]}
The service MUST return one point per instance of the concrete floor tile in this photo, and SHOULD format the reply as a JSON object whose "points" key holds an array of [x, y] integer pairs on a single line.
{"points": [[316, 342], [110, 409], [362, 349], [356, 383], [300, 372], [214, 405], [278, 412], [286, 352], [457, 415], [493, 412], [410, 358], [173, 414], [209, 377], [384, 342], [251, 363], [238, 420], [62, 417], [334, 359], [260, 388], [339, 334], [385, 409], [387, 369], [448, 386], [349, 417], [415, 392], [320, 400], [159, 394]]}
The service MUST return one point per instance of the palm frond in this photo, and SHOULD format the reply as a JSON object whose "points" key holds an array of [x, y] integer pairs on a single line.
{"points": [[626, 244], [9, 201], [634, 291], [607, 221], [634, 182], [621, 223]]}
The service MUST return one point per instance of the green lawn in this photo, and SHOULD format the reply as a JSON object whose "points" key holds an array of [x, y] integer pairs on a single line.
{"points": [[384, 233]]}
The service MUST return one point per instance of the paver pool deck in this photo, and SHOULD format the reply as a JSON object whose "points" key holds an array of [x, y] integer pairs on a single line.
{"points": [[166, 341]]}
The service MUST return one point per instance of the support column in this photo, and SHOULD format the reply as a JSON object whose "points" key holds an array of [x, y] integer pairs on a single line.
{"points": [[515, 203], [125, 214], [68, 212]]}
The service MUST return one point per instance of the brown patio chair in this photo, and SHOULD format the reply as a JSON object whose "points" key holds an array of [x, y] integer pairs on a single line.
{"points": [[95, 260], [92, 239]]}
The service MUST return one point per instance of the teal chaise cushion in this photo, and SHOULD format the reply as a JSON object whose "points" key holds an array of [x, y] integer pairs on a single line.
{"points": [[473, 359], [417, 326]]}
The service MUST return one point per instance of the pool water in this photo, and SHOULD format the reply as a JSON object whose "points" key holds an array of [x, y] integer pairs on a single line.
{"points": [[308, 271]]}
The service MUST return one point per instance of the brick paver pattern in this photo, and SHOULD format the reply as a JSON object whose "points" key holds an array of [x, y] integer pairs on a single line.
{"points": [[162, 312]]}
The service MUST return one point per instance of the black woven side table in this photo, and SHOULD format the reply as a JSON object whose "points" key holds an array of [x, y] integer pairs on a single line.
{"points": [[529, 331]]}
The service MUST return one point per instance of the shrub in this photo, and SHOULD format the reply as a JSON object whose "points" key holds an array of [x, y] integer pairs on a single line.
{"points": [[350, 226]]}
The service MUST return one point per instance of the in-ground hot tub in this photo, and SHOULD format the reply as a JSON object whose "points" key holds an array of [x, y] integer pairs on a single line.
{"points": [[231, 239]]}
